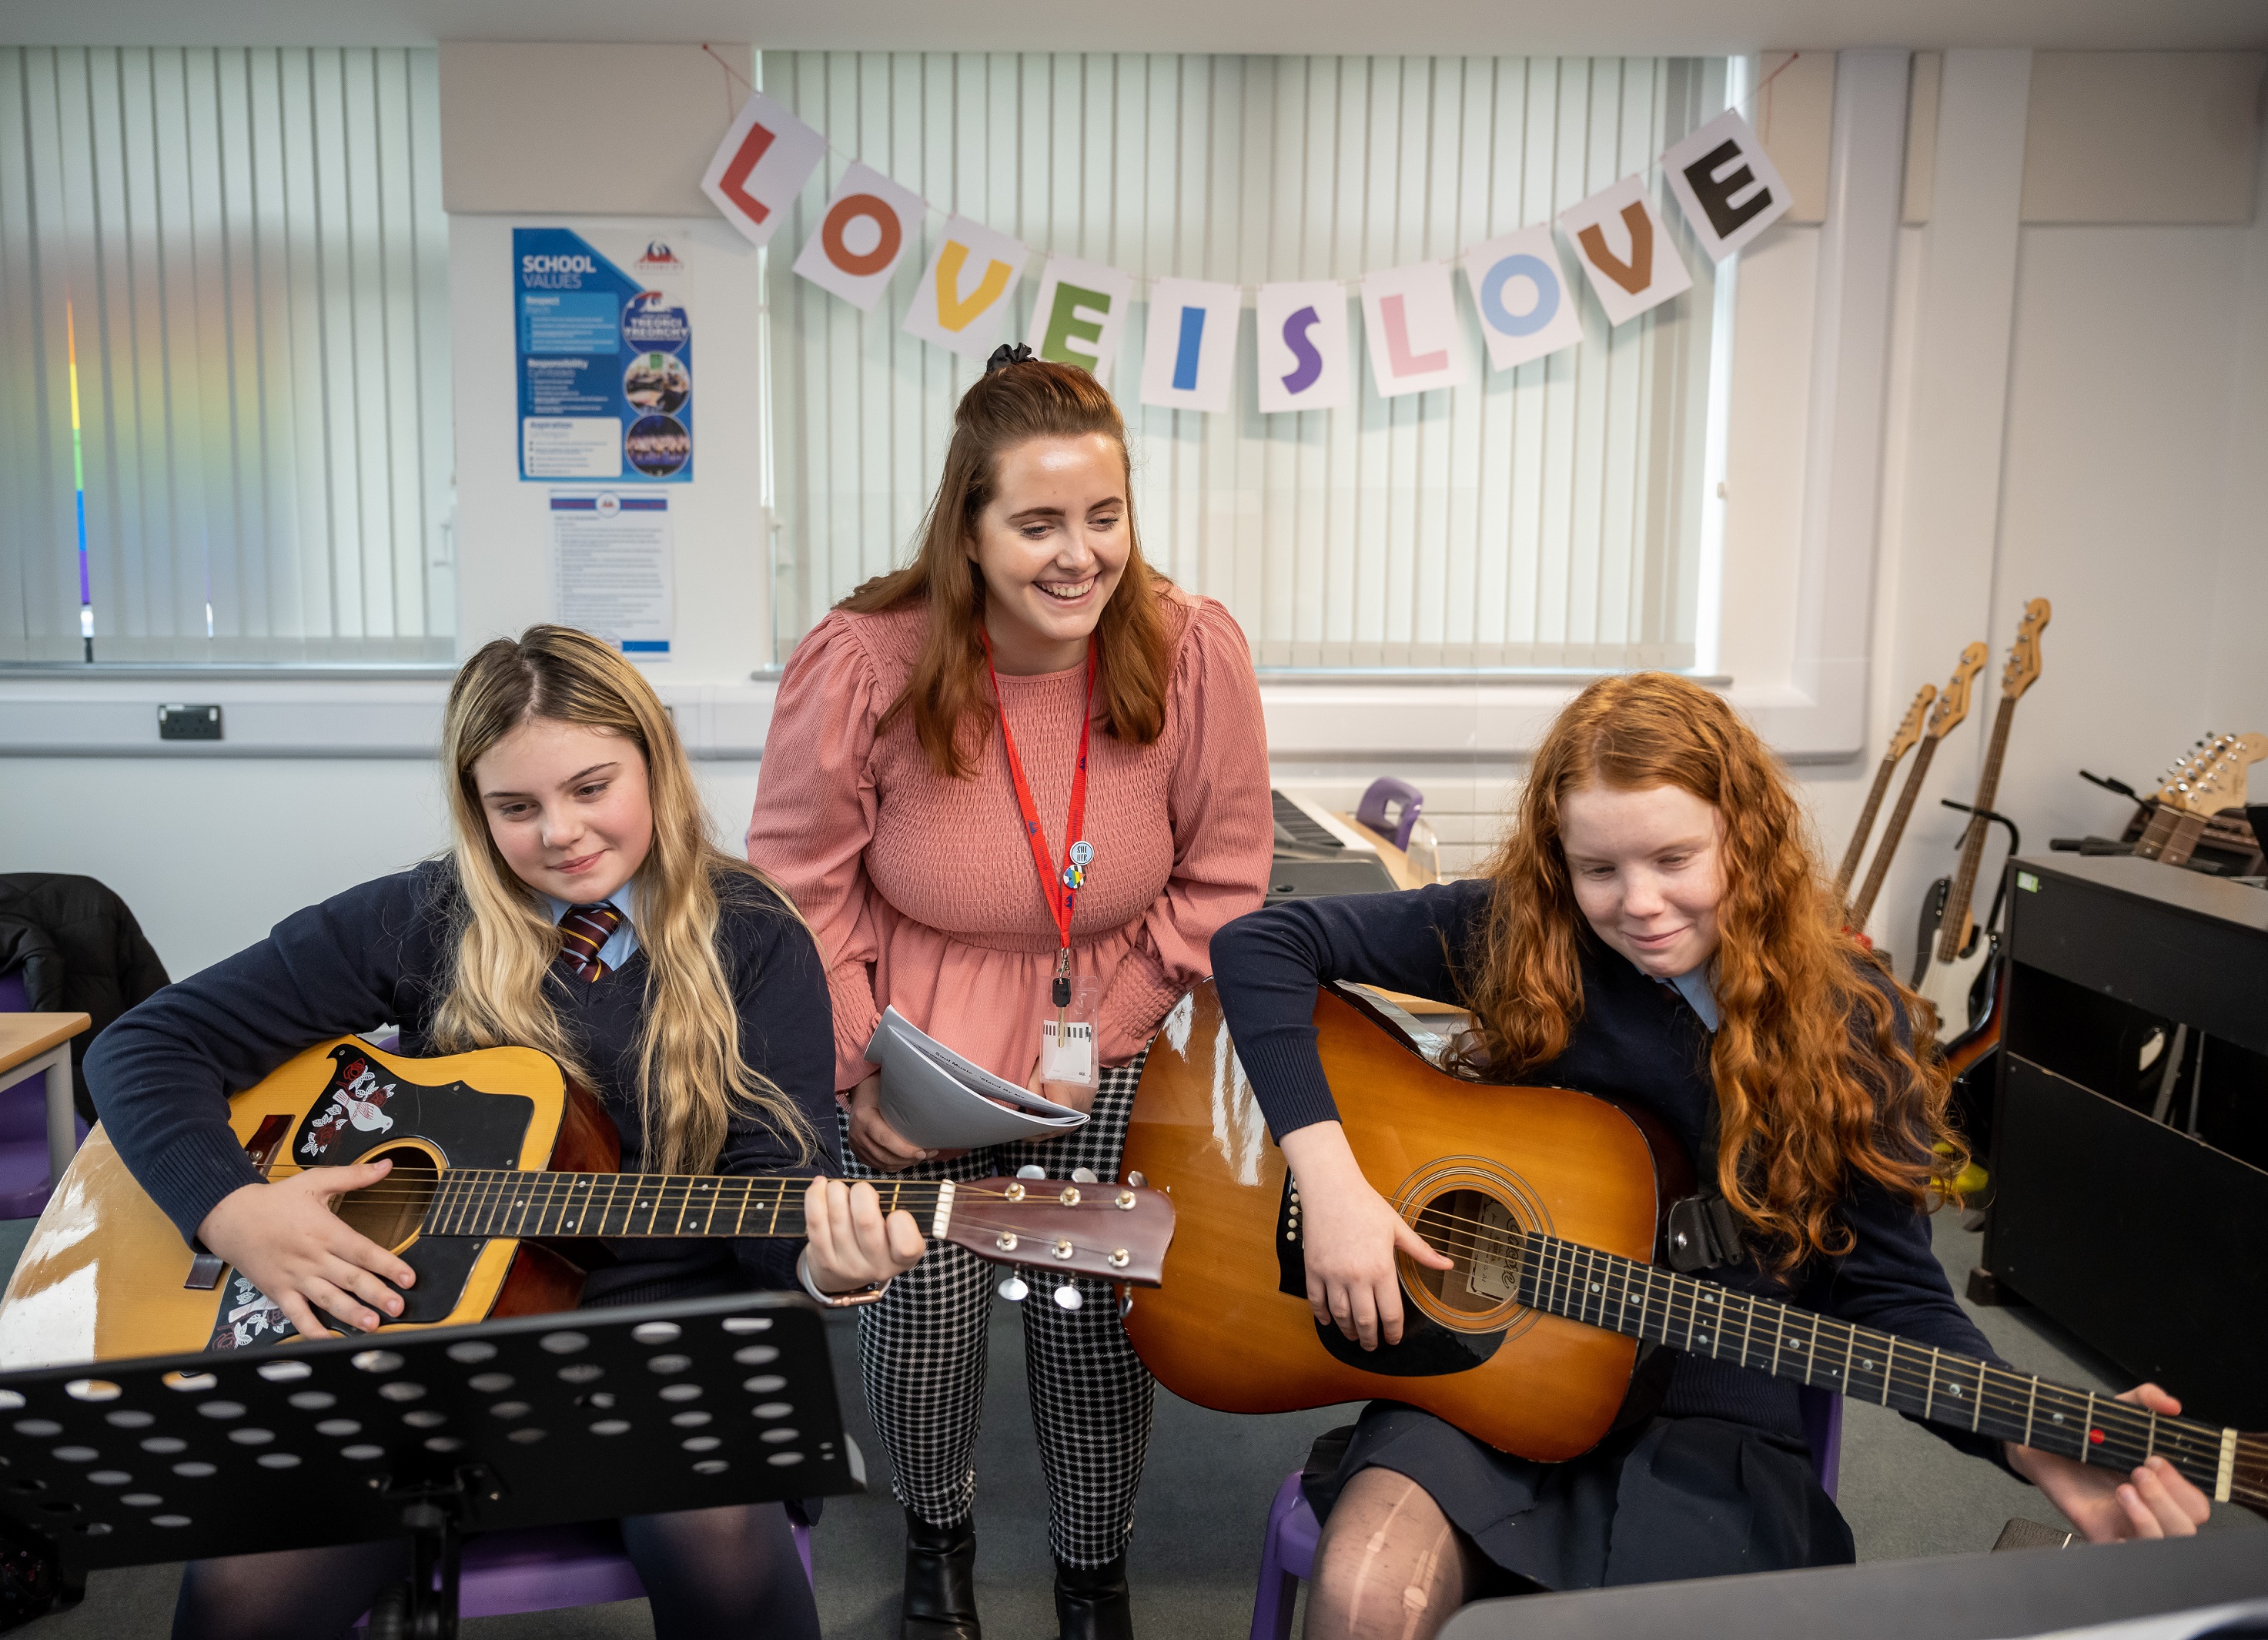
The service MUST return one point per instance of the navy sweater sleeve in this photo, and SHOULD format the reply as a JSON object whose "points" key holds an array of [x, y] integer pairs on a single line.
{"points": [[161, 1077], [787, 1035], [1267, 966]]}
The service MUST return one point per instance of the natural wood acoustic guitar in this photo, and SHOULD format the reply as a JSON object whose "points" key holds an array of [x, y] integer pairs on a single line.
{"points": [[502, 1172], [1547, 1203]]}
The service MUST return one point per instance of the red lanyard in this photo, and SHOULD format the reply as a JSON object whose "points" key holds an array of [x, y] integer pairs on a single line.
{"points": [[1053, 885]]}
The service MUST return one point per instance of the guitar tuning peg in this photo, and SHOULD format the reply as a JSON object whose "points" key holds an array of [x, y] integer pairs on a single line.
{"points": [[1084, 1176], [1069, 1298], [1031, 1170], [1013, 1289]]}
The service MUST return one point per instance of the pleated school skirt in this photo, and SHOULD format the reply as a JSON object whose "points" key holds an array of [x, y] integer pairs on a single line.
{"points": [[1660, 1498]]}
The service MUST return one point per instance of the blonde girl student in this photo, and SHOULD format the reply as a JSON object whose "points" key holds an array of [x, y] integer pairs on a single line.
{"points": [[1024, 709], [581, 910], [1654, 929]]}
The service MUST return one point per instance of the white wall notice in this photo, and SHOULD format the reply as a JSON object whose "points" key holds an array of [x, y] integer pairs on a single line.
{"points": [[611, 570]]}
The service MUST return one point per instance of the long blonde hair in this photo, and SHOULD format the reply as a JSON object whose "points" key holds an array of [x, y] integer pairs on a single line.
{"points": [[1814, 1088], [692, 1079]]}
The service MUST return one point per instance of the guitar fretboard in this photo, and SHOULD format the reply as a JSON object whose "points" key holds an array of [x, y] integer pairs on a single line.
{"points": [[1953, 935], [494, 1201], [1603, 1289], [1894, 831]]}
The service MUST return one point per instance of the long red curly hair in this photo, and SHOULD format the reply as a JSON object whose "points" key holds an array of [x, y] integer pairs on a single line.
{"points": [[1814, 1088]]}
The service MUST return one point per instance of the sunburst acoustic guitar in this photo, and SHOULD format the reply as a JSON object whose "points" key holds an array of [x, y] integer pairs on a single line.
{"points": [[502, 1167], [1547, 1201]]}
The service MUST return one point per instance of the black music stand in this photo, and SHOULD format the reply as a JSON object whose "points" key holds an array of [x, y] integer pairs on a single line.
{"points": [[532, 1422]]}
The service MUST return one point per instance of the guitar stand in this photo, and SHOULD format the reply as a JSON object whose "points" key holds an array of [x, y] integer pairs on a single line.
{"points": [[425, 1434], [2015, 846]]}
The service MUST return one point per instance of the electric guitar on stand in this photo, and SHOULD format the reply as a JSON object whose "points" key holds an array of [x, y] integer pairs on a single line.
{"points": [[1908, 736], [2205, 781], [1951, 709], [1959, 960]]}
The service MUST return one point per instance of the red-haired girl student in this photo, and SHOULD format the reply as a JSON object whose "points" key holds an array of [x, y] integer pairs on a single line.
{"points": [[582, 911], [1656, 928], [1024, 697]]}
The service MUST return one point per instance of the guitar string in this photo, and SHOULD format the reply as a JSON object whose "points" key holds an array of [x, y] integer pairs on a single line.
{"points": [[2203, 1439]]}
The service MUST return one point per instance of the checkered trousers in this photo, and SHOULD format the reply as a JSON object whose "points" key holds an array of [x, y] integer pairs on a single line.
{"points": [[922, 1350]]}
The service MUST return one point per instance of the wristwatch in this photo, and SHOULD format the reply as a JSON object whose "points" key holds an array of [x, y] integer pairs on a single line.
{"points": [[866, 1295]]}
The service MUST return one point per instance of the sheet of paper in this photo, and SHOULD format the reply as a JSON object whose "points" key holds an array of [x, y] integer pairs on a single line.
{"points": [[612, 573], [943, 1102]]}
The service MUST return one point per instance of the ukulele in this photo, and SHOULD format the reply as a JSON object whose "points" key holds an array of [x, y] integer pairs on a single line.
{"points": [[1963, 961], [1952, 708], [1908, 736], [1546, 1201], [2205, 780], [501, 1167]]}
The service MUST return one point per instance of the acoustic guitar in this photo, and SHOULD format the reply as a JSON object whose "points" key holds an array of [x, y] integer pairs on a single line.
{"points": [[1908, 736], [503, 1171], [1952, 709], [1950, 974], [1546, 1201]]}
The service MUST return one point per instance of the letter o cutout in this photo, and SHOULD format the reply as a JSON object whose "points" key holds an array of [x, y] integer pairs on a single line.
{"points": [[847, 211], [1537, 272]]}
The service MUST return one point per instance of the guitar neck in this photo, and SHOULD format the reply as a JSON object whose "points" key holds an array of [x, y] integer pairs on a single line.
{"points": [[1603, 1289], [493, 1201], [1954, 931], [1892, 832], [1849, 867]]}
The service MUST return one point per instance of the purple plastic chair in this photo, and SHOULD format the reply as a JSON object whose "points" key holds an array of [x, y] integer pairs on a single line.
{"points": [[23, 1125], [548, 1569], [1385, 794], [1288, 1554]]}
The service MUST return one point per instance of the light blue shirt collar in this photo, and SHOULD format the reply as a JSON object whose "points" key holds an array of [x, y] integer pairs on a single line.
{"points": [[1693, 987], [624, 943]]}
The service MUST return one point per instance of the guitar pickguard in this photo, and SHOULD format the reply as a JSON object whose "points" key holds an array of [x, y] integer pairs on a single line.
{"points": [[1427, 1349], [365, 1109]]}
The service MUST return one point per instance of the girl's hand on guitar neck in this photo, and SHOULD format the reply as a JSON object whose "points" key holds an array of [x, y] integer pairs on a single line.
{"points": [[2155, 1500], [850, 1244], [286, 1238], [1348, 1234]]}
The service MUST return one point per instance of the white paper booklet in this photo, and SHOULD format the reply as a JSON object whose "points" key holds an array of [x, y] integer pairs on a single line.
{"points": [[943, 1102]]}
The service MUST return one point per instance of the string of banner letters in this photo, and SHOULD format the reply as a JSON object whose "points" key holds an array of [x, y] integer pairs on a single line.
{"points": [[1725, 184]]}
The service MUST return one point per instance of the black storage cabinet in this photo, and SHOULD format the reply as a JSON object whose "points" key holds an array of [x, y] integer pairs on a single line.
{"points": [[2147, 1238]]}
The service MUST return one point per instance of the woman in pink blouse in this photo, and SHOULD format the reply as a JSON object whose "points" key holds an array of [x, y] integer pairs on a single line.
{"points": [[889, 807]]}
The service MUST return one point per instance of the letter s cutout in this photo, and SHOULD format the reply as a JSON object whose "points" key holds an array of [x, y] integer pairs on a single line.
{"points": [[1310, 367]]}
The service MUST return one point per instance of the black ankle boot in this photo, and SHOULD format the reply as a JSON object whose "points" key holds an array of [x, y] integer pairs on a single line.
{"points": [[1092, 1602], [940, 1601]]}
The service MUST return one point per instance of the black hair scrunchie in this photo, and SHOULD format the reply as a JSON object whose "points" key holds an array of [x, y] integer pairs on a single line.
{"points": [[1004, 356]]}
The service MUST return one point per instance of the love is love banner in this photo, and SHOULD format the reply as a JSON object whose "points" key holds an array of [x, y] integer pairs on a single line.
{"points": [[1723, 181]]}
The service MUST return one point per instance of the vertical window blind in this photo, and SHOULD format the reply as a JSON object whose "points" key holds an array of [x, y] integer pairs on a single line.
{"points": [[224, 420], [1546, 517]]}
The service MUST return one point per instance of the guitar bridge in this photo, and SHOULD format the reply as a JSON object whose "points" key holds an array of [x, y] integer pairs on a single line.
{"points": [[1291, 1252]]}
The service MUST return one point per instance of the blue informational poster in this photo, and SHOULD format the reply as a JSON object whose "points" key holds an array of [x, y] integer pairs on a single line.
{"points": [[605, 361]]}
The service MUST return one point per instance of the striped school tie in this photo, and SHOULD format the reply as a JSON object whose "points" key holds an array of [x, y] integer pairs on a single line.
{"points": [[583, 934]]}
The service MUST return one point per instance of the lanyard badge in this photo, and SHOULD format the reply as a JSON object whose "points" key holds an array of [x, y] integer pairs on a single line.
{"points": [[1067, 1046]]}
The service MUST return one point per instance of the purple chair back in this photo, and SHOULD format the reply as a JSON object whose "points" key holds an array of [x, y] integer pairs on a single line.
{"points": [[1822, 1412], [1385, 794], [13, 998]]}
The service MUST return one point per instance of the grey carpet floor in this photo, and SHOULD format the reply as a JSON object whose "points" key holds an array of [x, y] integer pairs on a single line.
{"points": [[1196, 1548]]}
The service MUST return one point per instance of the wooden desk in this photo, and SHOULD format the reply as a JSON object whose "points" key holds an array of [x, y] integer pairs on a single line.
{"points": [[33, 1045]]}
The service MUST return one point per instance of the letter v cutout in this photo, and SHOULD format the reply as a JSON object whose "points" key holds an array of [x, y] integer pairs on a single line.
{"points": [[953, 313], [1636, 274]]}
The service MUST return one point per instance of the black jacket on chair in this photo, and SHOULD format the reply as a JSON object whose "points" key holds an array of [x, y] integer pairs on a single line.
{"points": [[80, 951]]}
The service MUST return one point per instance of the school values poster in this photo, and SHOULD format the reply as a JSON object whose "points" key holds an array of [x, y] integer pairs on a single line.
{"points": [[606, 360]]}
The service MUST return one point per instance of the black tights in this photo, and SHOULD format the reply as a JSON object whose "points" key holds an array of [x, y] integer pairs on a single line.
{"points": [[706, 1571]]}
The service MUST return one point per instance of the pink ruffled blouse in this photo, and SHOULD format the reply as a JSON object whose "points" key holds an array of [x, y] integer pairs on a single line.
{"points": [[922, 889]]}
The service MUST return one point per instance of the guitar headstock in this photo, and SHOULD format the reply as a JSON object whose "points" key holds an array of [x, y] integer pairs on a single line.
{"points": [[2210, 777], [1953, 704], [1116, 1232], [2023, 668], [1909, 729]]}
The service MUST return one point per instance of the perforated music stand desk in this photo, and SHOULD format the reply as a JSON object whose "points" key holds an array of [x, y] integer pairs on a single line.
{"points": [[1951, 1597], [530, 1422]]}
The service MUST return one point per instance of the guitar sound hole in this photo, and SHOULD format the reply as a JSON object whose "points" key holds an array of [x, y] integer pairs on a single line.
{"points": [[389, 1211], [1482, 1236]]}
